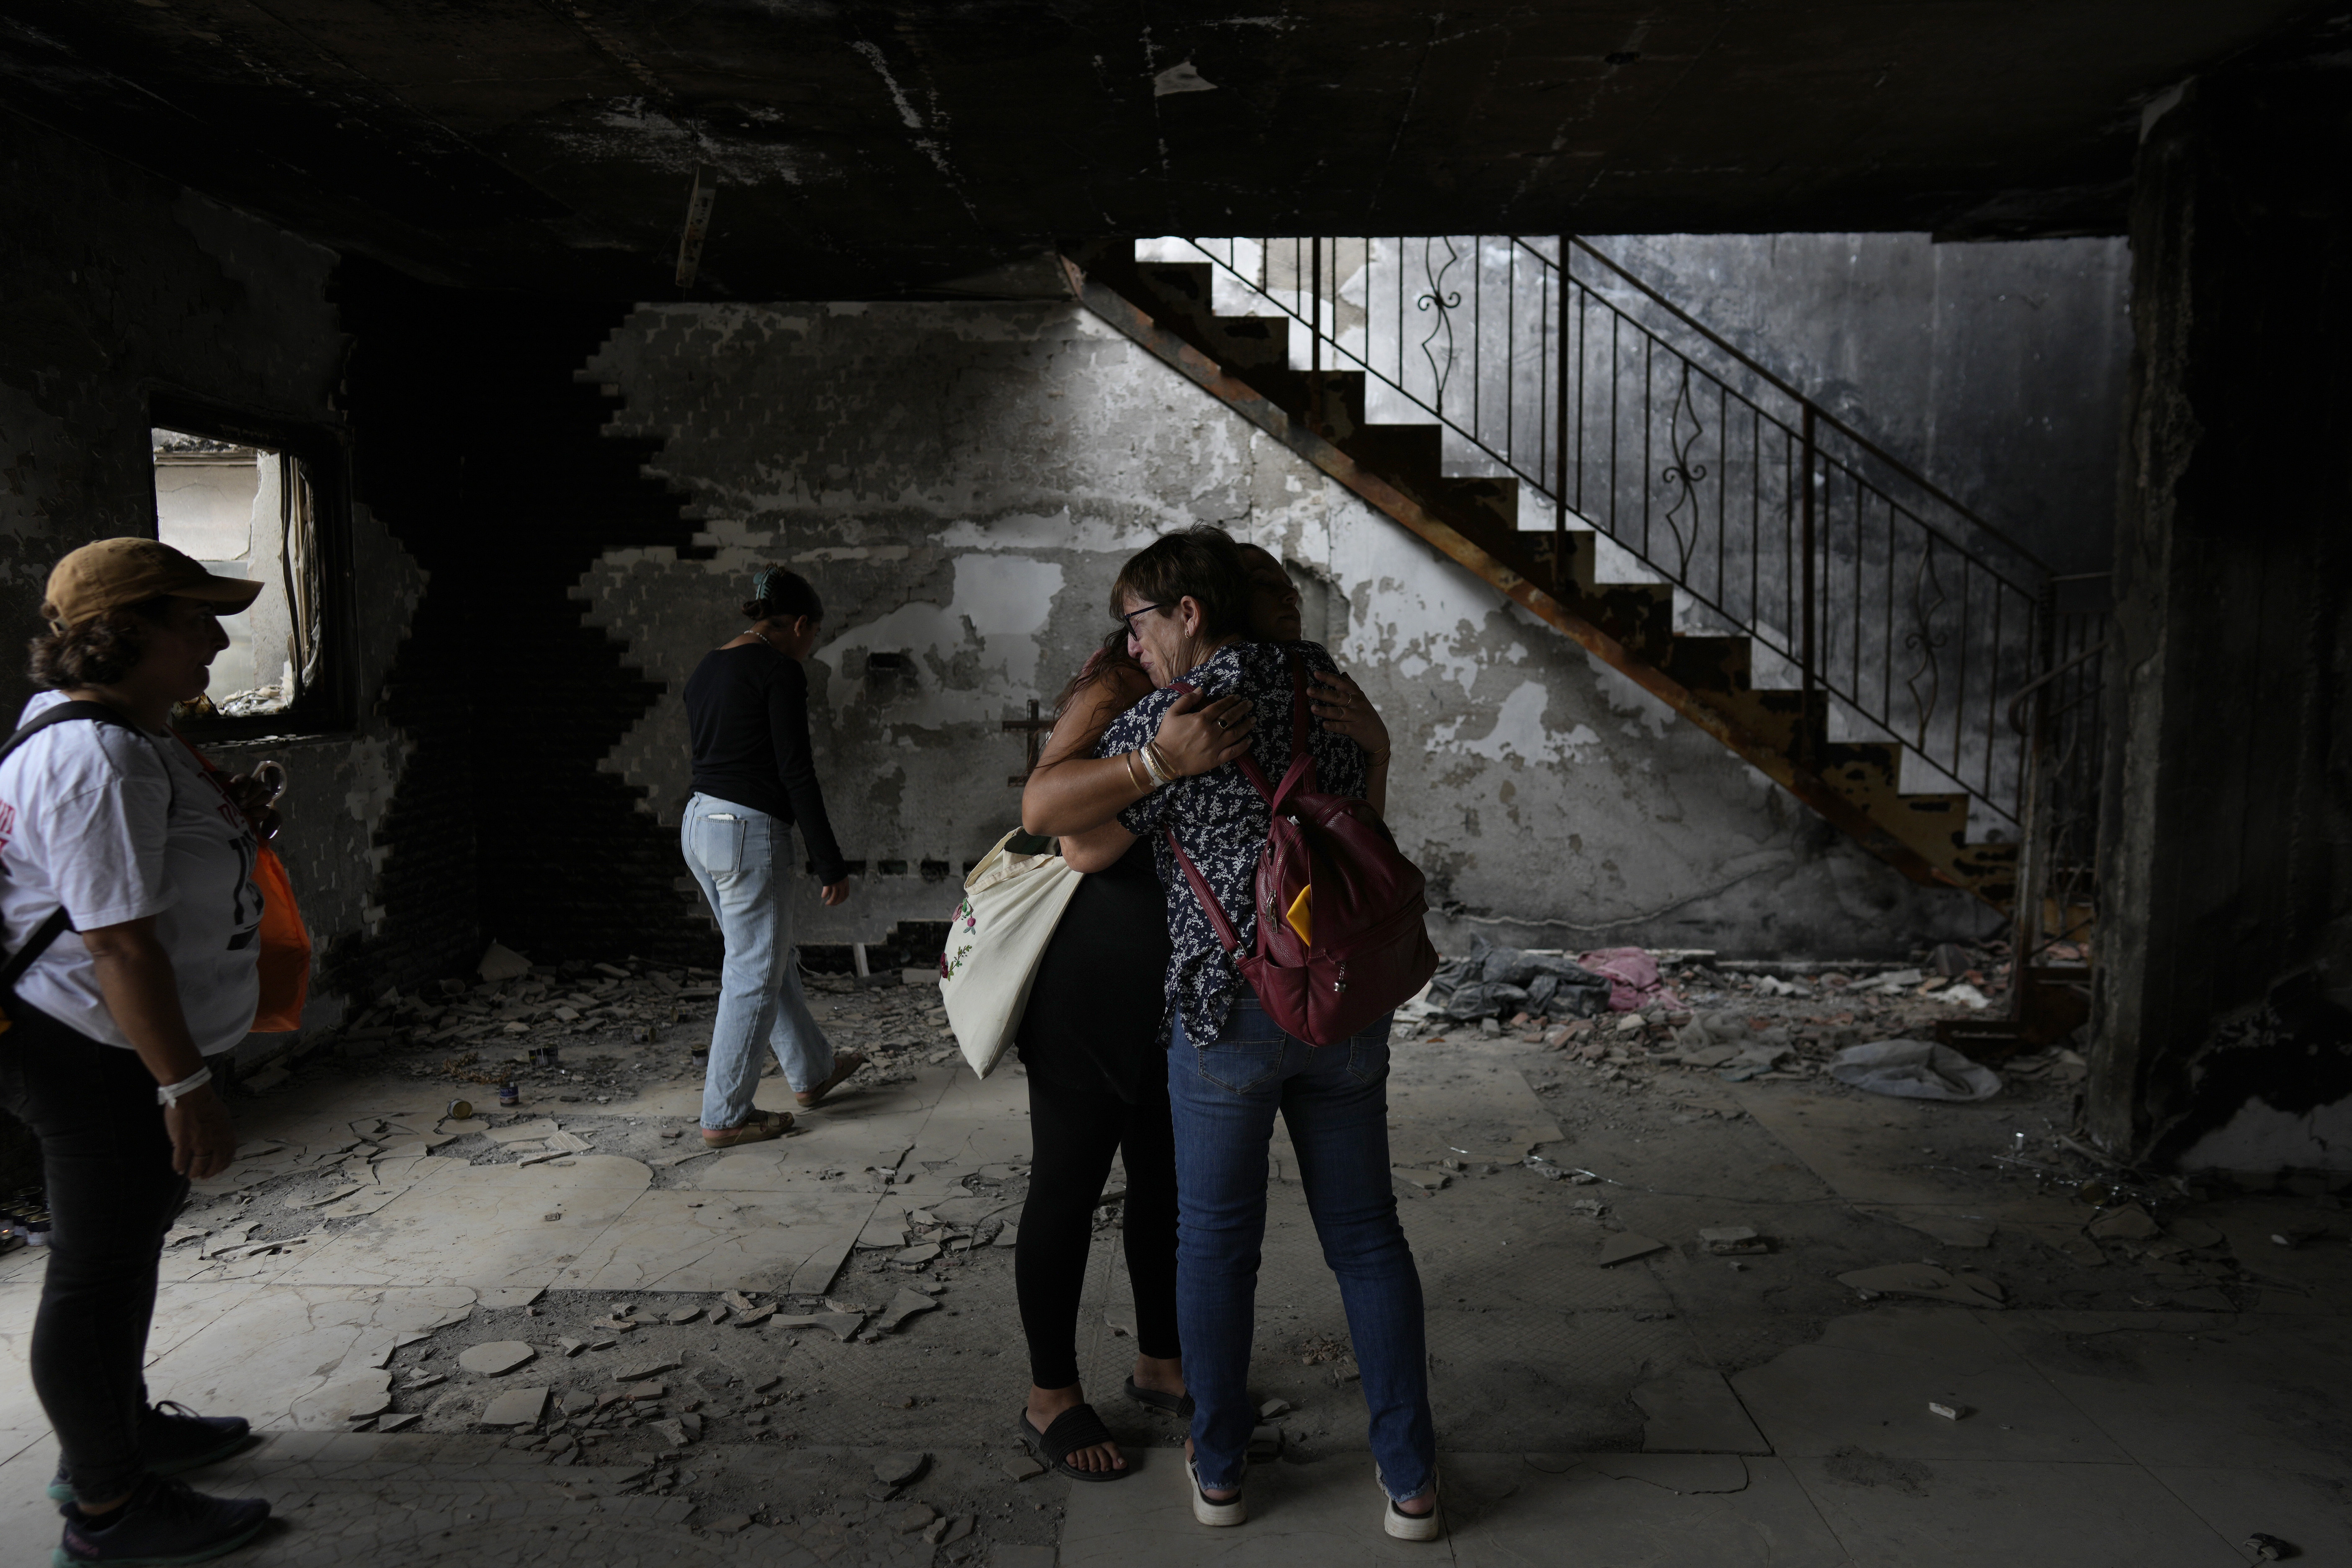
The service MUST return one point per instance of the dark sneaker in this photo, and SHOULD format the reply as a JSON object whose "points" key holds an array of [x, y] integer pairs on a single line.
{"points": [[173, 1438], [164, 1522]]}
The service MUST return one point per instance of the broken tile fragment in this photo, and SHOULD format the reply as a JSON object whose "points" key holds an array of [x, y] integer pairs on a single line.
{"points": [[1272, 1408], [673, 1431], [1733, 1240], [753, 1317], [897, 1469], [496, 1357], [913, 1517], [845, 1325], [1022, 1469], [917, 1255], [399, 1422], [1926, 1280], [516, 1407], [903, 1306], [644, 1369], [1626, 1246], [683, 1315]]}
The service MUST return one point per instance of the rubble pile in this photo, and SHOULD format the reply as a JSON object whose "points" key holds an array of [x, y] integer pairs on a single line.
{"points": [[512, 1026], [1736, 1021]]}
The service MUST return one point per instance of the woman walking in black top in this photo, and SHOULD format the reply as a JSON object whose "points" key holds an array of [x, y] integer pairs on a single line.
{"points": [[754, 781], [1091, 1043]]}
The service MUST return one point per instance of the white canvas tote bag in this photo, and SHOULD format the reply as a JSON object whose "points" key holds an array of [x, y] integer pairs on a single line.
{"points": [[1012, 902]]}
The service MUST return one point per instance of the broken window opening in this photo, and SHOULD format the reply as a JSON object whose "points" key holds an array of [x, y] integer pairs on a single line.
{"points": [[246, 505]]}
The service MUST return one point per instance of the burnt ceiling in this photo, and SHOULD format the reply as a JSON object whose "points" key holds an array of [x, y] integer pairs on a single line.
{"points": [[877, 149]]}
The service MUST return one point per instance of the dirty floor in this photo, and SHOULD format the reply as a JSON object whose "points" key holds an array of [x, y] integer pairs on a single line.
{"points": [[1922, 1333]]}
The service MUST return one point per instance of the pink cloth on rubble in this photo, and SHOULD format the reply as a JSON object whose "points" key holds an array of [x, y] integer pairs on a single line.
{"points": [[1634, 981]]}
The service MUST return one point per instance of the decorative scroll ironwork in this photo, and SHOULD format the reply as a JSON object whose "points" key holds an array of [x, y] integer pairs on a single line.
{"points": [[1445, 304], [1681, 473]]}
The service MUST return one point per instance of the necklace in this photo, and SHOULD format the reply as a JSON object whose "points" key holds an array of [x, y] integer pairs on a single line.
{"points": [[772, 646]]}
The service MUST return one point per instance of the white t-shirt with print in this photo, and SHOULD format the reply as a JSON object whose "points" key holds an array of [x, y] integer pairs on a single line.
{"points": [[117, 825]]}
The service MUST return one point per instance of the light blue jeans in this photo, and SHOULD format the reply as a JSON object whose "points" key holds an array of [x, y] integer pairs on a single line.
{"points": [[743, 860], [1225, 1094]]}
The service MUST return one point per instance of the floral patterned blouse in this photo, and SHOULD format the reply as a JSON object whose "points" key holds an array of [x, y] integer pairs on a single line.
{"points": [[1223, 820]]}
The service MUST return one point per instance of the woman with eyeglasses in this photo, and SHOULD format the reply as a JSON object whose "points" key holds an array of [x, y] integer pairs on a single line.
{"points": [[1186, 601], [1092, 1046]]}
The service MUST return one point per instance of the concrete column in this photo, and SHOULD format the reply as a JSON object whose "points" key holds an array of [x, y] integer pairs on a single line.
{"points": [[2225, 898]]}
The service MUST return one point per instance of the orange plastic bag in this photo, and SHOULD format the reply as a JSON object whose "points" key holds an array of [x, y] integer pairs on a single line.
{"points": [[285, 959], [284, 949]]}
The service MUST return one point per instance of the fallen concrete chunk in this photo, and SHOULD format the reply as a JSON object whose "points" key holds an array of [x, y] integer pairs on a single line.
{"points": [[1627, 1245], [1948, 1412], [897, 1469], [751, 1318], [730, 1524], [644, 1369], [1022, 1469], [500, 961], [1266, 1442], [673, 1431], [912, 1518], [399, 1422], [516, 1408], [843, 1324], [1733, 1240], [736, 1299], [1926, 1280], [914, 1255], [683, 1315], [1272, 1408], [903, 1306], [496, 1357]]}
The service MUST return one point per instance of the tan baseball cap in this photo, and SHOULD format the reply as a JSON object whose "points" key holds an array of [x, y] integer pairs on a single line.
{"points": [[114, 572]]}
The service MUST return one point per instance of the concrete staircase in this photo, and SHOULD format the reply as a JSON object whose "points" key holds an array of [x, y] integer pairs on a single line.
{"points": [[1246, 362]]}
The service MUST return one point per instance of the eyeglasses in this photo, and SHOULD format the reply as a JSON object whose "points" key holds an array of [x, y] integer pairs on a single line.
{"points": [[1129, 616]]}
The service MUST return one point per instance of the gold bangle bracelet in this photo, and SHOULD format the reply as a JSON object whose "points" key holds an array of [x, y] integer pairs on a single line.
{"points": [[1158, 762], [1132, 776]]}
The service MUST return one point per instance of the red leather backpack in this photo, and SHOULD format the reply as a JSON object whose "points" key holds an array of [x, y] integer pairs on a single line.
{"points": [[1369, 949]]}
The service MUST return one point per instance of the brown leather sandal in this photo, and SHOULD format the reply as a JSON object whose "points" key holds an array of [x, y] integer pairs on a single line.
{"points": [[845, 1063], [760, 1126]]}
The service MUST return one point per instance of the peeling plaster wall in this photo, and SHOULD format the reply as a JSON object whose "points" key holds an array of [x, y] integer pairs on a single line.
{"points": [[121, 285], [962, 483]]}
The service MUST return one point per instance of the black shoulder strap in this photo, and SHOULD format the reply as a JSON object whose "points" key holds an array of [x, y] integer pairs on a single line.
{"points": [[58, 923]]}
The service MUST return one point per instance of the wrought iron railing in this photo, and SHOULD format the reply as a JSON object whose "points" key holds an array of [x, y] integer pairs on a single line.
{"points": [[1898, 611], [2057, 716]]}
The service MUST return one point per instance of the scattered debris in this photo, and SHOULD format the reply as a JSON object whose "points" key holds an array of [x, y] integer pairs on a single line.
{"points": [[1948, 1412], [2269, 1548], [1733, 1240], [1272, 1408], [1022, 1469], [640, 1372]]}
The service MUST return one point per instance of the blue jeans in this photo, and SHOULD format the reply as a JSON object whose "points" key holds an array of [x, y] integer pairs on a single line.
{"points": [[1334, 1099], [743, 860]]}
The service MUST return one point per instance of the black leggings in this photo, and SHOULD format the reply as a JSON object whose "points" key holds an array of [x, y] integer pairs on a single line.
{"points": [[112, 1194], [1074, 1128]]}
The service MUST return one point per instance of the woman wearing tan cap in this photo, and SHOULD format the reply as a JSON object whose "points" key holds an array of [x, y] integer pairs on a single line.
{"points": [[131, 921]]}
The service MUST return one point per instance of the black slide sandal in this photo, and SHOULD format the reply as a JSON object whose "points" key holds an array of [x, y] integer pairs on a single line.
{"points": [[1074, 1429], [1151, 1398]]}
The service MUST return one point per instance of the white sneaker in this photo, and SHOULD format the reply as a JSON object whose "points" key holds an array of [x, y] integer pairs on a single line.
{"points": [[1406, 1526], [1207, 1510]]}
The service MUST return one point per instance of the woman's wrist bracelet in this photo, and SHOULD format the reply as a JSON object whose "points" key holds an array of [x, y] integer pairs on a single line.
{"points": [[1158, 764], [171, 1093], [1141, 785]]}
